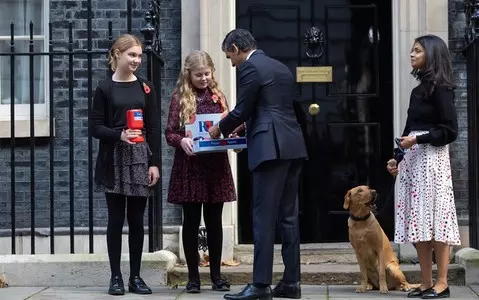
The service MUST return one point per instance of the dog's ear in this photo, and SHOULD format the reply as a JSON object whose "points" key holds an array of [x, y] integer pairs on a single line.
{"points": [[347, 198]]}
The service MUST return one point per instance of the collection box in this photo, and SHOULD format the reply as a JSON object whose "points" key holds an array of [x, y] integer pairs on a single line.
{"points": [[197, 130]]}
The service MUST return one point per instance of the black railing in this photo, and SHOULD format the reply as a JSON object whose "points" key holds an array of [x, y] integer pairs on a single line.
{"points": [[471, 52], [153, 62]]}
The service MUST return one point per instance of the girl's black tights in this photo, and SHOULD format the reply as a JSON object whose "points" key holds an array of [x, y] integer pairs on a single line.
{"points": [[135, 211], [212, 214]]}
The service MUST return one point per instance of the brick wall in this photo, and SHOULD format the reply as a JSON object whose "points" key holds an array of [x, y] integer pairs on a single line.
{"points": [[61, 12], [459, 158]]}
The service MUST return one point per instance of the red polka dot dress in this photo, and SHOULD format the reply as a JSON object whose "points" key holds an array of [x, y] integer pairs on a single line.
{"points": [[425, 207]]}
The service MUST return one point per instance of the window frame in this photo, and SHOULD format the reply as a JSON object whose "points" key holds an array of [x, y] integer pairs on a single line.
{"points": [[41, 110]]}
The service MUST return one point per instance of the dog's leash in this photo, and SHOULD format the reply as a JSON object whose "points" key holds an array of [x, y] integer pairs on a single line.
{"points": [[398, 155], [388, 200]]}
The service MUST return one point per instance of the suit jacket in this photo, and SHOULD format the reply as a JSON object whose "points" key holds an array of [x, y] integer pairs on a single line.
{"points": [[265, 97]]}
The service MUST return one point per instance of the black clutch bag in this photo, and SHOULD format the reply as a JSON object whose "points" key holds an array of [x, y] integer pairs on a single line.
{"points": [[398, 153]]}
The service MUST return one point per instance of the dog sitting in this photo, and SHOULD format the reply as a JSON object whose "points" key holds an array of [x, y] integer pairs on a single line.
{"points": [[378, 264]]}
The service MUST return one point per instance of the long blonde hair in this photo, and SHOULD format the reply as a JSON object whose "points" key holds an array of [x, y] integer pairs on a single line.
{"points": [[184, 88], [122, 43]]}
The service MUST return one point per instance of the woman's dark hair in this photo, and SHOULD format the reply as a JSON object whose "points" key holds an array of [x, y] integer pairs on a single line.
{"points": [[242, 38], [438, 67]]}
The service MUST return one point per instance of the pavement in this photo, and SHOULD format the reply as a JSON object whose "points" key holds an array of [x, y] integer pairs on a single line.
{"points": [[164, 293]]}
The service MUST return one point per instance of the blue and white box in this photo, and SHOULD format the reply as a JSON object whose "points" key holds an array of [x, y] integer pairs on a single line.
{"points": [[197, 130]]}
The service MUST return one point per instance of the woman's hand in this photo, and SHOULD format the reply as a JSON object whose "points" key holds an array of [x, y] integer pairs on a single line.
{"points": [[187, 145], [153, 175], [407, 141], [127, 135], [392, 167]]}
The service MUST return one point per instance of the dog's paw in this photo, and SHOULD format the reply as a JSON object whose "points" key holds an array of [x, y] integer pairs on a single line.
{"points": [[406, 287], [383, 289], [370, 287], [362, 289]]}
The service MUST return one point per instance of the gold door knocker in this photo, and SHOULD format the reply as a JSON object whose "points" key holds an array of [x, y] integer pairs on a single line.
{"points": [[313, 109]]}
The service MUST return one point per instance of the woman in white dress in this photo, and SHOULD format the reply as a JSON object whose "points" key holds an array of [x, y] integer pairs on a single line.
{"points": [[425, 211]]}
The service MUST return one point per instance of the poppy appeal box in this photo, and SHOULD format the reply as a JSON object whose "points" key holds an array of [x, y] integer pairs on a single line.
{"points": [[197, 130]]}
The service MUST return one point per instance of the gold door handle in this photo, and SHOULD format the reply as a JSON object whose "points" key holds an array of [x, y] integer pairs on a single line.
{"points": [[313, 109]]}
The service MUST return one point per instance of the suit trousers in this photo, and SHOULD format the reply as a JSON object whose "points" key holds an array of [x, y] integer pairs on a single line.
{"points": [[275, 203]]}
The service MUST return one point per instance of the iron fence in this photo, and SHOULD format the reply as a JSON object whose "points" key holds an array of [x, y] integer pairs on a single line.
{"points": [[154, 63]]}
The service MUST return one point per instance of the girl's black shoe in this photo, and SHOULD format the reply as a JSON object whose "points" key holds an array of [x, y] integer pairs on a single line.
{"points": [[138, 286], [220, 285], [193, 287], [117, 288]]}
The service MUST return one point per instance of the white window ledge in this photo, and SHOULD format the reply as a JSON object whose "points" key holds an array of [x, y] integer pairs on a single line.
{"points": [[22, 128]]}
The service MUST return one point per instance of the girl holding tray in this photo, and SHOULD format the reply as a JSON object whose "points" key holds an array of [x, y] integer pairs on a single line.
{"points": [[203, 180]]}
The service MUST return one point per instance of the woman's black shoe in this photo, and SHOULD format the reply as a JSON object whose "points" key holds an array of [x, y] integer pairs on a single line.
{"points": [[417, 292], [138, 286], [117, 288], [220, 285], [193, 287], [432, 294]]}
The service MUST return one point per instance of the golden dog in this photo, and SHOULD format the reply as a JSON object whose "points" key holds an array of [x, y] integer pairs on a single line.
{"points": [[376, 258]]}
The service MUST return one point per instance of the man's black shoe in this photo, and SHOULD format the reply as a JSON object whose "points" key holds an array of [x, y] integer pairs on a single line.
{"points": [[251, 292], [287, 290]]}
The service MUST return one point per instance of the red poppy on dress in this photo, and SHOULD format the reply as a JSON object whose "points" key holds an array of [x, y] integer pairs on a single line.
{"points": [[146, 88], [215, 98]]}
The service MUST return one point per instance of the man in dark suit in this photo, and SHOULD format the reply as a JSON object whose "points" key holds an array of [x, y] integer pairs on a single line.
{"points": [[276, 150]]}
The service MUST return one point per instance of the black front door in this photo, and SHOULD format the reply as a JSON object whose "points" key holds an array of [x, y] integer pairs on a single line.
{"points": [[346, 119]]}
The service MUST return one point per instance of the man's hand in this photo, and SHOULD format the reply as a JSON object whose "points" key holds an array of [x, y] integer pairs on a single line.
{"points": [[214, 132]]}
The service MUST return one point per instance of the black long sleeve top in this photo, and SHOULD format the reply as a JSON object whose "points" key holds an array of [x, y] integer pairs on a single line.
{"points": [[108, 119], [435, 113]]}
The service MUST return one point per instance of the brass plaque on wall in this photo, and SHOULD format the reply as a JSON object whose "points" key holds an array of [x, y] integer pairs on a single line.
{"points": [[314, 74]]}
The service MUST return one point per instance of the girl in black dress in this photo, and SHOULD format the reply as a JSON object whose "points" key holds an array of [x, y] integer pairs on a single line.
{"points": [[125, 171]]}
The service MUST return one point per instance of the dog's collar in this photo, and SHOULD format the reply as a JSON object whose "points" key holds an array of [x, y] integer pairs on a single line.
{"points": [[364, 218]]}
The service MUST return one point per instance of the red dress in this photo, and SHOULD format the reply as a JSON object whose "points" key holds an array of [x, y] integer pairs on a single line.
{"points": [[202, 178]]}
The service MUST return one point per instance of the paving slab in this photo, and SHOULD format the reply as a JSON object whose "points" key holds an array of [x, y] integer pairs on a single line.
{"points": [[310, 292], [19, 293], [349, 292], [475, 288]]}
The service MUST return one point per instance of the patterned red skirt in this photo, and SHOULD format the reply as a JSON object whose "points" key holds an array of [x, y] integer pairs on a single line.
{"points": [[202, 178]]}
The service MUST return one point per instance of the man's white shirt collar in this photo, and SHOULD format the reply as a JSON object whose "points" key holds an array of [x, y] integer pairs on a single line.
{"points": [[249, 55]]}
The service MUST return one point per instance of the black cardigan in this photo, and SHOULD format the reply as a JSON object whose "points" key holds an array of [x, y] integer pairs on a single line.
{"points": [[435, 113], [102, 129]]}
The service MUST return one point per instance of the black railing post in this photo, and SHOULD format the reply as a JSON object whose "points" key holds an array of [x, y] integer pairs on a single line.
{"points": [[128, 15], [32, 143], [90, 140], [51, 144], [148, 31], [471, 51], [71, 106], [12, 137], [152, 46]]}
